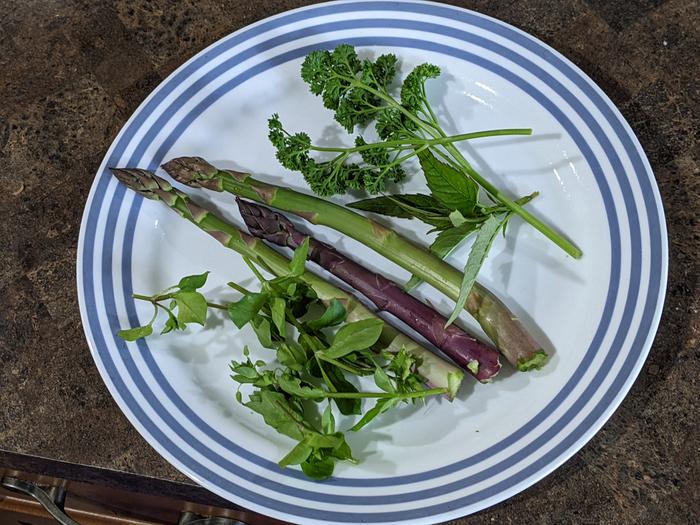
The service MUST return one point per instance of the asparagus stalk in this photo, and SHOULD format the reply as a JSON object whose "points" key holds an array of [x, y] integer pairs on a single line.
{"points": [[437, 372], [469, 353], [499, 323]]}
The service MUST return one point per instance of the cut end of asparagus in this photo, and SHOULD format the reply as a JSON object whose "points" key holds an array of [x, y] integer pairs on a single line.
{"points": [[535, 362], [194, 172]]}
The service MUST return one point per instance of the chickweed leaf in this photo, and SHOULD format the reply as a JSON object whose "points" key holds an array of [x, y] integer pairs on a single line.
{"points": [[242, 311], [193, 282], [382, 380], [263, 330], [297, 455], [381, 406], [333, 315], [191, 307], [355, 336], [321, 468], [132, 334]]}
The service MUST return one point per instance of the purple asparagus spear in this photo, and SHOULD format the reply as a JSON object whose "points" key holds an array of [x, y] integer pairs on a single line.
{"points": [[478, 358]]}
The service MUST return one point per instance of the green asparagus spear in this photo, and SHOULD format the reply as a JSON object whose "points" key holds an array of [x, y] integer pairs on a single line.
{"points": [[438, 373], [499, 323]]}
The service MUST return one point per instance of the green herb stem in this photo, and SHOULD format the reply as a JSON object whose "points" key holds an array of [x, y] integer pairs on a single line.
{"points": [[428, 142], [153, 299], [380, 395]]}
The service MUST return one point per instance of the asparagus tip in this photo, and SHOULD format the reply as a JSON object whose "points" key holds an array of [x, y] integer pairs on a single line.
{"points": [[535, 362], [141, 181], [191, 171]]}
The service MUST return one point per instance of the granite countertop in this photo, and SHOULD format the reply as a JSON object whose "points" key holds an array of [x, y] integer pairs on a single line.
{"points": [[72, 72]]}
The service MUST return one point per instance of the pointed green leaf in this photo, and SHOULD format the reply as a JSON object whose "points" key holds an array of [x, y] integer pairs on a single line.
{"points": [[401, 206], [297, 455], [382, 380], [452, 188], [327, 420], [355, 336], [334, 314], [132, 334], [298, 262], [263, 330], [318, 468], [279, 309], [242, 311], [380, 407], [192, 282], [477, 256]]}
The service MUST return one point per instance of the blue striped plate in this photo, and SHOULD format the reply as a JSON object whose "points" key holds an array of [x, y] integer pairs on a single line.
{"points": [[597, 316]]}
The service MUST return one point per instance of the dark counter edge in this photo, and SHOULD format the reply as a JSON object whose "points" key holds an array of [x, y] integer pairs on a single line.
{"points": [[11, 461]]}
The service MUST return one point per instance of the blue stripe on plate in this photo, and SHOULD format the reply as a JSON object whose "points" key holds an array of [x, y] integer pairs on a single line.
{"points": [[491, 25]]}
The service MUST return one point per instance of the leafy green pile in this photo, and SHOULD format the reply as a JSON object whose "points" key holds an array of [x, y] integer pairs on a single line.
{"points": [[360, 92], [313, 364]]}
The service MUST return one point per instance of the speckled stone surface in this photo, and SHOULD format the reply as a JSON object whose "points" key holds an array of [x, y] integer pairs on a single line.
{"points": [[72, 72]]}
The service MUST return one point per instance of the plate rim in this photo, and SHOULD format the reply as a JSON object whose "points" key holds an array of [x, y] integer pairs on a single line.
{"points": [[653, 327]]}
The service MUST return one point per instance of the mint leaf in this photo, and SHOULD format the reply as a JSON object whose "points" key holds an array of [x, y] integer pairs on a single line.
{"points": [[279, 310], [355, 336], [242, 311], [477, 256], [334, 314], [401, 206], [132, 334], [191, 307], [192, 282], [452, 188], [297, 455], [298, 262]]}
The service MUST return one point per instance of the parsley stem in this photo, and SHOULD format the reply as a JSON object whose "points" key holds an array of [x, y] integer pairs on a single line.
{"points": [[383, 395], [437, 141], [548, 232]]}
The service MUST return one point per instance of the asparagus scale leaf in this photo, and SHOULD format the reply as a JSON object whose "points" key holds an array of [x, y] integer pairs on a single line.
{"points": [[497, 321]]}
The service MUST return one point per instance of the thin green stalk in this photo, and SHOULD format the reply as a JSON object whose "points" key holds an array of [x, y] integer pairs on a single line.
{"points": [[437, 371], [158, 298], [540, 226], [548, 232], [429, 142], [380, 395]]}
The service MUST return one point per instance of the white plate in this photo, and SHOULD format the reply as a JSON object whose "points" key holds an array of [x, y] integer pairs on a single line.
{"points": [[597, 316]]}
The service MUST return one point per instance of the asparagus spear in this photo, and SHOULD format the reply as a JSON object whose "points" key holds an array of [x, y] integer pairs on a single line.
{"points": [[469, 353], [437, 372], [499, 323]]}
